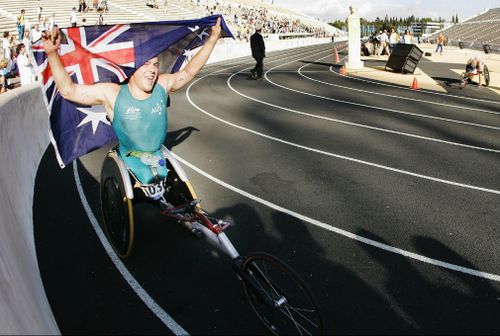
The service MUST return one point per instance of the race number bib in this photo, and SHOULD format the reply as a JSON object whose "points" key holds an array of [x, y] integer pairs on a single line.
{"points": [[154, 191]]}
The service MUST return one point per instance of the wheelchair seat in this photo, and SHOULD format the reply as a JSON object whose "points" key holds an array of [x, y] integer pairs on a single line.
{"points": [[121, 190]]}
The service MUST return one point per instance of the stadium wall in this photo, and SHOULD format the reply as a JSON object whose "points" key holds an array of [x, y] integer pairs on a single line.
{"points": [[230, 49], [24, 308]]}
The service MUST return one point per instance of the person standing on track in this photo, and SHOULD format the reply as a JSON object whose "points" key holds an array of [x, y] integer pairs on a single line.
{"points": [[136, 108], [440, 42], [258, 52]]}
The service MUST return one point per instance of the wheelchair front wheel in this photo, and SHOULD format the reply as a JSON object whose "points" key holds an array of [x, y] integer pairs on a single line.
{"points": [[279, 297]]}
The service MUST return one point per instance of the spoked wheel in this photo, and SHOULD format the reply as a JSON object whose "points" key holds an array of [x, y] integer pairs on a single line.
{"points": [[280, 299], [486, 74], [117, 209], [463, 80]]}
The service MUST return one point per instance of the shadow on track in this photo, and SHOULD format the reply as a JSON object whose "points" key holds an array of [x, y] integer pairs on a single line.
{"points": [[438, 300], [177, 137]]}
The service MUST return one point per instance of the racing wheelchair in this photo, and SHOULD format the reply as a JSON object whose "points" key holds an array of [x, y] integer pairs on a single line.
{"points": [[276, 293], [465, 79]]}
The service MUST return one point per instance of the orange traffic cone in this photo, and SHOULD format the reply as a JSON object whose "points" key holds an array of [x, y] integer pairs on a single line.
{"points": [[342, 70], [336, 55], [414, 85]]}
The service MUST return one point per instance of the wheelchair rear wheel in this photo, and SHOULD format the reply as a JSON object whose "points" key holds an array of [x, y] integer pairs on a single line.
{"points": [[117, 208], [463, 80], [486, 74]]}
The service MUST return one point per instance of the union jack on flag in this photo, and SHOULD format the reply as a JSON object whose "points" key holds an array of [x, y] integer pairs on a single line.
{"points": [[109, 53]]}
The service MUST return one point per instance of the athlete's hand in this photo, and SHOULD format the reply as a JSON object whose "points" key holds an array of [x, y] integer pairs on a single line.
{"points": [[51, 40], [216, 30]]}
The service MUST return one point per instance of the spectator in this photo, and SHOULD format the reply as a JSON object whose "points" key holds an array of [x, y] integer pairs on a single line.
{"points": [[393, 39], [408, 39], [2, 82], [152, 3], [24, 65], [384, 44], [27, 41], [440, 42], [258, 52], [6, 45], [3, 74], [44, 24], [20, 25], [81, 6], [73, 18], [103, 6], [402, 37], [52, 22], [11, 69], [100, 19], [376, 42], [39, 11], [36, 33]]}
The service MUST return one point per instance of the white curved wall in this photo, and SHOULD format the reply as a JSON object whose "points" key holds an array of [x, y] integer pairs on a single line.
{"points": [[24, 308], [229, 49]]}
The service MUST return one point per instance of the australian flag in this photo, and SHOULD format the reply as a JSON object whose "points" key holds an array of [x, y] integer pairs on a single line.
{"points": [[110, 53]]}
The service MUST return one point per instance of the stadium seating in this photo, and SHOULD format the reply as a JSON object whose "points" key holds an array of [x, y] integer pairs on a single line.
{"points": [[476, 31], [132, 11], [119, 11]]}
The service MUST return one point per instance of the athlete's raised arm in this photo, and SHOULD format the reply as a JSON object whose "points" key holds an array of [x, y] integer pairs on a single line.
{"points": [[175, 81], [95, 94]]}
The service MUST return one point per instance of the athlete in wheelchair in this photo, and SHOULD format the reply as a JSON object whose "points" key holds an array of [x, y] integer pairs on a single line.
{"points": [[475, 67], [139, 166]]}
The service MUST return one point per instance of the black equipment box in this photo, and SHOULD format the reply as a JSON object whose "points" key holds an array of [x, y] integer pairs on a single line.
{"points": [[404, 58]]}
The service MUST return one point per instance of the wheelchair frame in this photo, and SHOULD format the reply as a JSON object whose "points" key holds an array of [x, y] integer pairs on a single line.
{"points": [[118, 195]]}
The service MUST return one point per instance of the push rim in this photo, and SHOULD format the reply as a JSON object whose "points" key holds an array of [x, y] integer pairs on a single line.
{"points": [[118, 218]]}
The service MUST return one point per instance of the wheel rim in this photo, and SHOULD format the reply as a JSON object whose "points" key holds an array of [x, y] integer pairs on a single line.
{"points": [[117, 218], [295, 313]]}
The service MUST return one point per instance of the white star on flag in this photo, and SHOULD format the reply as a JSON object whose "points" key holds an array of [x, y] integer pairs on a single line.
{"points": [[204, 32], [194, 29], [95, 115]]}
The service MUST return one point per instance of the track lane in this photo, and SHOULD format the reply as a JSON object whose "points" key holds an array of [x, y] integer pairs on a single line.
{"points": [[337, 141], [225, 131]]}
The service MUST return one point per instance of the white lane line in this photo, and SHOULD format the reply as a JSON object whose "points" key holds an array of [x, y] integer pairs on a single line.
{"points": [[133, 283], [347, 158], [342, 232], [462, 107], [422, 91], [355, 124], [455, 121]]}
